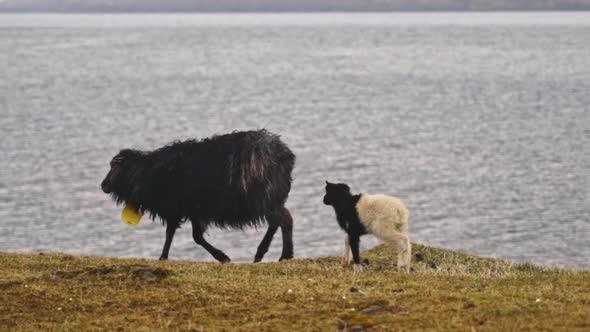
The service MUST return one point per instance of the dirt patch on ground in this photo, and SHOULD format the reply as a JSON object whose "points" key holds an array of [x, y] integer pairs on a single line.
{"points": [[140, 272]]}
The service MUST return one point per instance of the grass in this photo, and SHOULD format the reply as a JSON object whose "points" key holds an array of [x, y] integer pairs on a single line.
{"points": [[446, 290]]}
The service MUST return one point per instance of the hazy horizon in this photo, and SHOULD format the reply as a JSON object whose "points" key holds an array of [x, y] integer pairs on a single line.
{"points": [[189, 6]]}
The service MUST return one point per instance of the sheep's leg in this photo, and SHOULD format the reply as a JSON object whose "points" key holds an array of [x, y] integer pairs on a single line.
{"points": [[198, 232], [286, 223], [263, 246], [404, 248], [347, 255], [170, 230]]}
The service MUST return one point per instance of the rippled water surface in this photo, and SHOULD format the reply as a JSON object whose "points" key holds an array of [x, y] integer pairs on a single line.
{"points": [[480, 123]]}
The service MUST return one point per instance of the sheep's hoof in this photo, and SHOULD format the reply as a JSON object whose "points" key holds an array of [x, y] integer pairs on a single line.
{"points": [[404, 268], [162, 258], [225, 260], [285, 258]]}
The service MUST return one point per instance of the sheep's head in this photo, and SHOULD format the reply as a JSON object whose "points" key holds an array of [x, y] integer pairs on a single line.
{"points": [[336, 193], [117, 179]]}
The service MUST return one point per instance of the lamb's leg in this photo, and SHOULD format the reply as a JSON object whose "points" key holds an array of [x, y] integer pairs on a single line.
{"points": [[404, 248], [170, 230], [354, 240], [347, 255], [198, 232], [406, 255], [263, 246], [285, 221]]}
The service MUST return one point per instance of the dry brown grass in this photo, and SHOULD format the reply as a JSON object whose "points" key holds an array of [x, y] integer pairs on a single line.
{"points": [[445, 291]]}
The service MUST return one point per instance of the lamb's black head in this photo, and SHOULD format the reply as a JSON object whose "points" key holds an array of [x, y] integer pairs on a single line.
{"points": [[116, 179], [336, 192]]}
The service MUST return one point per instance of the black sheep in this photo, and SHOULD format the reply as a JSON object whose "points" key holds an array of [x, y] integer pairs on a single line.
{"points": [[234, 180]]}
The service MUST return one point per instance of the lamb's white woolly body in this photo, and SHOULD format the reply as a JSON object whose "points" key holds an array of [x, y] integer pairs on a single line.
{"points": [[385, 217], [382, 215]]}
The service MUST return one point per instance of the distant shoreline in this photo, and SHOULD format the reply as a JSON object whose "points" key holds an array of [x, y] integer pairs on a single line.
{"points": [[286, 6], [21, 12]]}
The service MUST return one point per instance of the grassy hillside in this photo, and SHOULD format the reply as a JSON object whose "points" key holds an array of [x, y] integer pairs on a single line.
{"points": [[446, 290]]}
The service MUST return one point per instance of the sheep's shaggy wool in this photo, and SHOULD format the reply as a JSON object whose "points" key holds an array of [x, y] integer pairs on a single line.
{"points": [[383, 216], [234, 180]]}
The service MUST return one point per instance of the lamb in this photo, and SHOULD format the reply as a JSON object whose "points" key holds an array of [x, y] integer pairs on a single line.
{"points": [[235, 180], [383, 216]]}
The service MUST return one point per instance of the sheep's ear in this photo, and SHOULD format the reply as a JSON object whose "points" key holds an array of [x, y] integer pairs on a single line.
{"points": [[125, 152]]}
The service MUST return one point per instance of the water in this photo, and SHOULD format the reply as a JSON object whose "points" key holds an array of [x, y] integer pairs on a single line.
{"points": [[480, 122]]}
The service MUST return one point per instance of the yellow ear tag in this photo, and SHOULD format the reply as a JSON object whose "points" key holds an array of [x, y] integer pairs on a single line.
{"points": [[130, 216]]}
